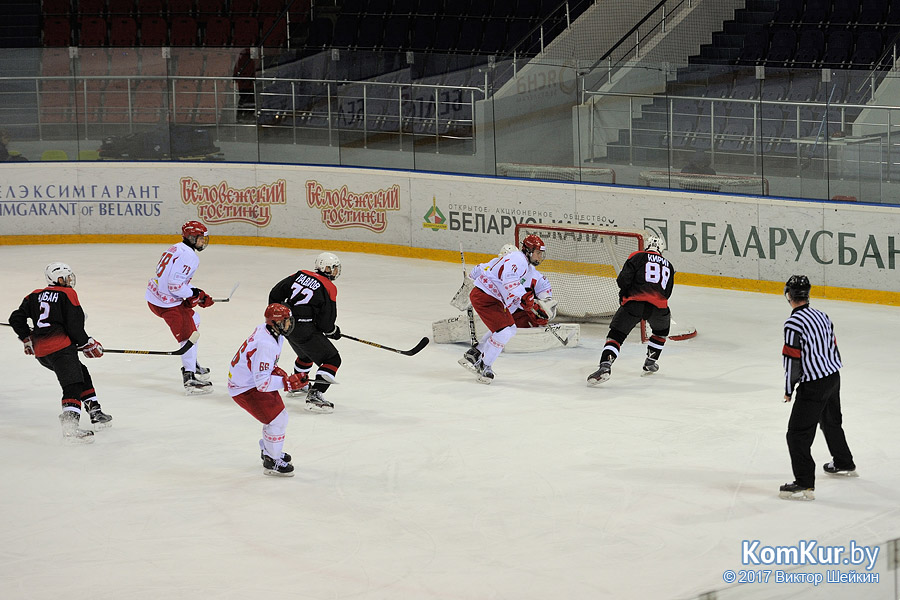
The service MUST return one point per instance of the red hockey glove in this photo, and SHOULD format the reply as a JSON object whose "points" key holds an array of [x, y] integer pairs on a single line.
{"points": [[528, 301], [29, 346], [92, 349], [204, 299], [192, 301], [537, 316], [295, 382], [279, 372]]}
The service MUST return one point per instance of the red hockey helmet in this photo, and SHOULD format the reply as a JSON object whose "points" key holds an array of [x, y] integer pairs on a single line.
{"points": [[531, 244], [194, 228], [279, 318], [196, 235]]}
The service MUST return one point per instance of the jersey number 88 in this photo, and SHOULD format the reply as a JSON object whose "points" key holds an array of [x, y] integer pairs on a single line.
{"points": [[656, 273]]}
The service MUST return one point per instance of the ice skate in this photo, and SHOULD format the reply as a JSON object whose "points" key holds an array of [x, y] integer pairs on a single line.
{"points": [[793, 491], [277, 468], [485, 373], [72, 433], [194, 386], [99, 419], [601, 374], [650, 367], [316, 402], [833, 470], [262, 454], [202, 373], [471, 359]]}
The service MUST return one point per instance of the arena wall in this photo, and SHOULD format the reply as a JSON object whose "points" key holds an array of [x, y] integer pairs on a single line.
{"points": [[849, 251]]}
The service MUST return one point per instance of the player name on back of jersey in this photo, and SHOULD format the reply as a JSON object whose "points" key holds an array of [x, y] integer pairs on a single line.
{"points": [[48, 296], [308, 281], [657, 259]]}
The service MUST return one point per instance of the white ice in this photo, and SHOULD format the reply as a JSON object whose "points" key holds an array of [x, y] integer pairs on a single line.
{"points": [[424, 484]]}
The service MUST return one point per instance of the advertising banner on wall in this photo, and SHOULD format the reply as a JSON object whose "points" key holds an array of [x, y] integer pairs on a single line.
{"points": [[841, 245]]}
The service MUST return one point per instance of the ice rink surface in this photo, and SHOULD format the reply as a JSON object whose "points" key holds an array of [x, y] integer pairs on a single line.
{"points": [[424, 484]]}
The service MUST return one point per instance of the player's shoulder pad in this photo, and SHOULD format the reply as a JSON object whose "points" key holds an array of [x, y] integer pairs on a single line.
{"points": [[70, 293], [326, 283]]}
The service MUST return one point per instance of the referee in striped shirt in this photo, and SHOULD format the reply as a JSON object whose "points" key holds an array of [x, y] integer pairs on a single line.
{"points": [[812, 363]]}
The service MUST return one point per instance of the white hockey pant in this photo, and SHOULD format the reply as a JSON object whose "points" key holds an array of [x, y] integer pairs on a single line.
{"points": [[189, 358], [273, 435], [492, 344]]}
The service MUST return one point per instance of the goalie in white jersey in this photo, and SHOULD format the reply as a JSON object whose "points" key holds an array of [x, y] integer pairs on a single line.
{"points": [[504, 286], [254, 380], [171, 297]]}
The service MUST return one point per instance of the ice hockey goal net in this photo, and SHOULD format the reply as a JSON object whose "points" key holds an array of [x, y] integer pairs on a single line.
{"points": [[557, 173], [735, 184], [582, 263]]}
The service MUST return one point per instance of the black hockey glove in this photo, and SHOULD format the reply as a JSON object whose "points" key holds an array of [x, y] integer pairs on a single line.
{"points": [[334, 335]]}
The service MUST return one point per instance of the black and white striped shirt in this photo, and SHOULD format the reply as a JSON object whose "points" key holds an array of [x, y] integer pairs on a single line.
{"points": [[810, 348]]}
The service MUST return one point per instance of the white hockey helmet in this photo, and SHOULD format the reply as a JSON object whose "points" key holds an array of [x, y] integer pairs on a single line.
{"points": [[655, 244], [328, 265], [57, 270], [506, 249]]}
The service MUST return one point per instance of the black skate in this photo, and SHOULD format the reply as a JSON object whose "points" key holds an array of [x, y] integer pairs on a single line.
{"points": [[72, 433], [833, 470], [277, 468], [316, 402], [201, 372], [194, 386], [601, 374], [793, 491], [471, 359], [262, 454], [99, 419], [650, 367], [485, 373]]}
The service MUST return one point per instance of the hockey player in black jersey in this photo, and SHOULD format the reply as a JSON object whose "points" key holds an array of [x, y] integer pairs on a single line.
{"points": [[645, 285], [312, 297], [55, 340]]}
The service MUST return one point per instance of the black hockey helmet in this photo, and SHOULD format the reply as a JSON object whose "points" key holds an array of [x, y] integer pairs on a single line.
{"points": [[797, 288]]}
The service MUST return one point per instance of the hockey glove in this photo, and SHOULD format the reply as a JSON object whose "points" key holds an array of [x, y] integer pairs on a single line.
{"points": [[204, 300], [296, 382], [192, 301], [334, 335], [29, 346], [528, 301], [92, 349]]}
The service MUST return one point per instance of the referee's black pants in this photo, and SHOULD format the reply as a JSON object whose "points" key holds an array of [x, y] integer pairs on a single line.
{"points": [[817, 402]]}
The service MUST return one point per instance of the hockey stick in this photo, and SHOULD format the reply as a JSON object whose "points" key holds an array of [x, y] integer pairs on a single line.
{"points": [[422, 343], [552, 329], [228, 299], [469, 310], [187, 346]]}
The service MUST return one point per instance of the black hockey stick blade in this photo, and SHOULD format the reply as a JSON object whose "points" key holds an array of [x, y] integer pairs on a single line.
{"points": [[187, 346], [422, 343], [228, 299]]}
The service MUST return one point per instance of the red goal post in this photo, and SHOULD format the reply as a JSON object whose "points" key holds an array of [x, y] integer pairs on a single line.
{"points": [[582, 263]]}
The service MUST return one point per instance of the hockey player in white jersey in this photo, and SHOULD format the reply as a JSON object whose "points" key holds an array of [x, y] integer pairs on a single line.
{"points": [[171, 297], [503, 286], [254, 380]]}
